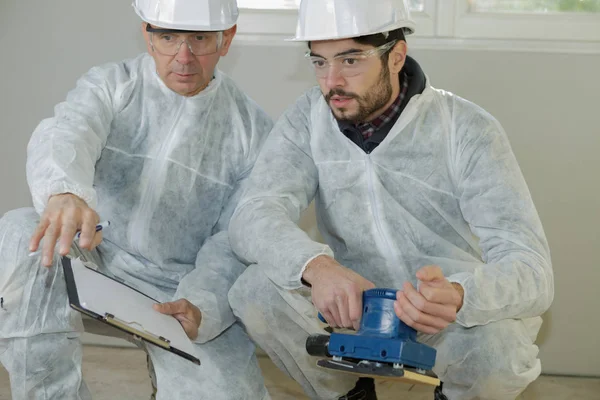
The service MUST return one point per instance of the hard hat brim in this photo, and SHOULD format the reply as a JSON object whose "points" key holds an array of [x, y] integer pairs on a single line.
{"points": [[408, 26]]}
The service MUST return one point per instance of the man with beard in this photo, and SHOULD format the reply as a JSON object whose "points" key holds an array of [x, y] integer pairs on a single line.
{"points": [[161, 146], [416, 189]]}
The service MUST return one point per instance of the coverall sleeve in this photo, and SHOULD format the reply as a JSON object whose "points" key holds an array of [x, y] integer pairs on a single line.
{"points": [[284, 181], [216, 270], [217, 267], [516, 278], [63, 150]]}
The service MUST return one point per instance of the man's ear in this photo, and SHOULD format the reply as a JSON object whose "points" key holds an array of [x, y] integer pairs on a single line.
{"points": [[397, 57], [147, 38], [227, 39]]}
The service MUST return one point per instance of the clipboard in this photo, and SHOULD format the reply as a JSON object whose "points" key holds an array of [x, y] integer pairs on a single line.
{"points": [[125, 308]]}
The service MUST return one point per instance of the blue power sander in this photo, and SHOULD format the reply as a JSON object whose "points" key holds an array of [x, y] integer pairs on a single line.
{"points": [[383, 347]]}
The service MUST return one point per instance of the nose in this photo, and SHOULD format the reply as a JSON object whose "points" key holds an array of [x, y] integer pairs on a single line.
{"points": [[184, 55], [334, 79]]}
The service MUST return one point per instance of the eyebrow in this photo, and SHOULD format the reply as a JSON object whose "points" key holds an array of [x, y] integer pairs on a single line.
{"points": [[343, 53]]}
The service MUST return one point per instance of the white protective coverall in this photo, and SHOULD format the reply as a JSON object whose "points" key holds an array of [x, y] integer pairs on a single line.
{"points": [[443, 188], [167, 171]]}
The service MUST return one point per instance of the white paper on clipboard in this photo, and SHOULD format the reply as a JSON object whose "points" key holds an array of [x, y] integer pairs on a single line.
{"points": [[102, 295]]}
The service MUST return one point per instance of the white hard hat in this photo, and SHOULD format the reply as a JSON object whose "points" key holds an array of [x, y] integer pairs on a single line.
{"points": [[188, 15], [343, 19]]}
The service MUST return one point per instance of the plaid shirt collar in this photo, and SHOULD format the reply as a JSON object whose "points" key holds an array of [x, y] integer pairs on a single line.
{"points": [[367, 129]]}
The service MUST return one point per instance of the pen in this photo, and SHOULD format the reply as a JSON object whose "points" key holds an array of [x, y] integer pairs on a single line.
{"points": [[101, 226]]}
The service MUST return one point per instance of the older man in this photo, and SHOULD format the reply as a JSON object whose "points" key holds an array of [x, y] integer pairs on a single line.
{"points": [[160, 145]]}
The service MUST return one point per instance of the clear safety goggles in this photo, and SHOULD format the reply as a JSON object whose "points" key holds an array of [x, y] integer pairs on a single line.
{"points": [[347, 65], [169, 41]]}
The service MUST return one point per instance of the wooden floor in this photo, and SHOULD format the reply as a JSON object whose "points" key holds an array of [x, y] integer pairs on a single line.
{"points": [[126, 370]]}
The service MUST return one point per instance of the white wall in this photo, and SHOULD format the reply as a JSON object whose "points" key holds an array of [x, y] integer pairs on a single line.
{"points": [[548, 104], [44, 48]]}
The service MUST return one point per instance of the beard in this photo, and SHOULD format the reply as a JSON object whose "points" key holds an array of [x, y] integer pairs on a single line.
{"points": [[373, 100]]}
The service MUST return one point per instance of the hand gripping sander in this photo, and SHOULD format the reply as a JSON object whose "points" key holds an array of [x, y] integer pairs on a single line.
{"points": [[383, 347]]}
